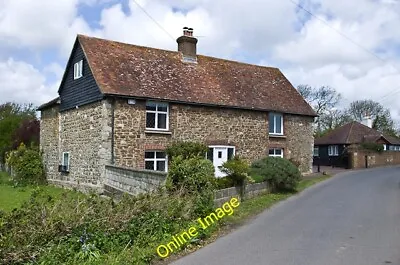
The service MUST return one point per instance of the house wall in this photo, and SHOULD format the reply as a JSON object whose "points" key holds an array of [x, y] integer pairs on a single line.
{"points": [[246, 130], [49, 139], [85, 133]]}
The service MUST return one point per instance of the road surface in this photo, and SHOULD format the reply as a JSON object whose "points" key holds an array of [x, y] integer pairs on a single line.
{"points": [[351, 219]]}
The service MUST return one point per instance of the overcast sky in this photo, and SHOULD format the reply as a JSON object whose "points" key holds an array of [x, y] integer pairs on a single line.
{"points": [[36, 38]]}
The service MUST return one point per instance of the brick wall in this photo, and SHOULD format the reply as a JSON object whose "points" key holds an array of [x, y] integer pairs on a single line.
{"points": [[246, 130], [357, 158]]}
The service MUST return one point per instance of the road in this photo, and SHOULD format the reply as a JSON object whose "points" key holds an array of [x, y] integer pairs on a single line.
{"points": [[351, 219]]}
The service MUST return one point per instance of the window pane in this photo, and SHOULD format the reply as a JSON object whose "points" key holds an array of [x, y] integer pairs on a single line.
{"points": [[162, 107], [149, 165], [271, 123], [160, 154], [219, 154], [278, 151], [161, 165], [271, 151], [149, 154], [162, 121], [150, 120], [230, 153], [65, 159], [278, 119], [210, 154], [151, 105]]}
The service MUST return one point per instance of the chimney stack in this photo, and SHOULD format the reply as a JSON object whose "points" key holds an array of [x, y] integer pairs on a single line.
{"points": [[187, 45], [367, 120]]}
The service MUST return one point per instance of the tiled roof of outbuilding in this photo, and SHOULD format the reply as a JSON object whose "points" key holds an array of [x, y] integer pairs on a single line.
{"points": [[129, 70]]}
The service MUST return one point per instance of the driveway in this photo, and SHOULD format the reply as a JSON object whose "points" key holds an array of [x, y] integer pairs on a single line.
{"points": [[351, 219]]}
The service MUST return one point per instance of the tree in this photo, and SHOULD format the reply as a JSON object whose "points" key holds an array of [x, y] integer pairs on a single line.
{"points": [[28, 133], [332, 119], [322, 100], [382, 119], [11, 117]]}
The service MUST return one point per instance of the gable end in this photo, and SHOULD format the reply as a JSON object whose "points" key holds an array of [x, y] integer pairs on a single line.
{"points": [[81, 91]]}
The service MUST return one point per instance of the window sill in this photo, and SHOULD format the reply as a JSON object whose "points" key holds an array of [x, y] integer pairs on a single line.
{"points": [[158, 132], [277, 136]]}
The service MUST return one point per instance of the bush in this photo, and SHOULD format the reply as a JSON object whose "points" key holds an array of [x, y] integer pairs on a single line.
{"points": [[236, 170], [374, 147], [280, 173], [192, 175], [186, 150], [223, 183], [27, 165]]}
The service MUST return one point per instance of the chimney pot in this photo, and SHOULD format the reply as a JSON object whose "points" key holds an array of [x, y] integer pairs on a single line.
{"points": [[187, 45]]}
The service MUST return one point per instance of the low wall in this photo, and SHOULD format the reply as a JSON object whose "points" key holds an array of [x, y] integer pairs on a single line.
{"points": [[132, 181], [386, 158], [250, 191]]}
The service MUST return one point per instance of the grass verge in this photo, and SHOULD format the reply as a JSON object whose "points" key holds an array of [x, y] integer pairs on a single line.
{"points": [[247, 210]]}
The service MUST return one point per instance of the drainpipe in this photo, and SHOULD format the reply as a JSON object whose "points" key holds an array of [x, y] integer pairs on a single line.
{"points": [[112, 130]]}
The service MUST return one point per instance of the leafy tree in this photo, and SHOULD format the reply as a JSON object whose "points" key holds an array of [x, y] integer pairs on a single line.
{"points": [[27, 133], [11, 117]]}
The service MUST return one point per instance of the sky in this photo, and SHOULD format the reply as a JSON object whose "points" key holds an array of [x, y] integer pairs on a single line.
{"points": [[352, 46]]}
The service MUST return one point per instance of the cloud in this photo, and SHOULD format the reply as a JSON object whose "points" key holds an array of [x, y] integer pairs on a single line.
{"points": [[23, 83]]}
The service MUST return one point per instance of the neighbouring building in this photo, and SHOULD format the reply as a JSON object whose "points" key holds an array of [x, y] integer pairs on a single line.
{"points": [[121, 104], [334, 147]]}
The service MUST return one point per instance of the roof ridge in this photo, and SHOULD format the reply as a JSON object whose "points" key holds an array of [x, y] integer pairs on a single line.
{"points": [[164, 50]]}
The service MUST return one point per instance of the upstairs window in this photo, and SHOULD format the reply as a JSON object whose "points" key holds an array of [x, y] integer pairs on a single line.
{"points": [[333, 150], [276, 152], [276, 123], [155, 160], [78, 69], [156, 116]]}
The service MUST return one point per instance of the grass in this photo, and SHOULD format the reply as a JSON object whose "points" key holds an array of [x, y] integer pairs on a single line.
{"points": [[13, 197]]}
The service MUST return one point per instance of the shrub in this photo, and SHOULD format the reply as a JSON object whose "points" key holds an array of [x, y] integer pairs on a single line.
{"points": [[27, 165], [192, 175], [186, 150], [236, 169], [280, 173], [374, 147], [223, 183]]}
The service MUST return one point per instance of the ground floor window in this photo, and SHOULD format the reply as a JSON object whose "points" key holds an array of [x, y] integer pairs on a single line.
{"points": [[275, 152], [316, 151], [219, 155], [65, 161], [333, 150], [155, 160]]}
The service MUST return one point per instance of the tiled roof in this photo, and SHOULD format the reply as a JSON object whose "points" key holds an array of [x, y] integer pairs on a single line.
{"points": [[129, 70], [49, 104], [353, 133]]}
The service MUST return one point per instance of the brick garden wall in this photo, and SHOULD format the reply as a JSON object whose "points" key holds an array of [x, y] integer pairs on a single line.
{"points": [[357, 158]]}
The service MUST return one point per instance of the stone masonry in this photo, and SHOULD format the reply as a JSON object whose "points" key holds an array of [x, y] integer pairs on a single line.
{"points": [[85, 133], [245, 129]]}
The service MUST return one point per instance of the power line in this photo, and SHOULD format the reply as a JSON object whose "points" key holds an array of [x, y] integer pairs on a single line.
{"points": [[155, 21], [351, 40]]}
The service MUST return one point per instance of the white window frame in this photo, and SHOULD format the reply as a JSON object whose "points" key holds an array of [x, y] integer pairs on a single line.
{"points": [[155, 160], [316, 151], [63, 160], [275, 114], [274, 154], [333, 150], [156, 112], [78, 69], [384, 147]]}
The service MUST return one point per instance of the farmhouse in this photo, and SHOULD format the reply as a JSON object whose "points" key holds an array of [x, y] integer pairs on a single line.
{"points": [[120, 105]]}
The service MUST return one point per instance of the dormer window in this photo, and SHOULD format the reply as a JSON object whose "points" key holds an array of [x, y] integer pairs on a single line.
{"points": [[78, 67]]}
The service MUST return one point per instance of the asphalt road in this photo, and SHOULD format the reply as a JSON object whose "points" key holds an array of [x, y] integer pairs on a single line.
{"points": [[351, 219]]}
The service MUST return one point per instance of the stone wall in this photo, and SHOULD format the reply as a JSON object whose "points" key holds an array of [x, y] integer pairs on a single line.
{"points": [[49, 141], [386, 158], [134, 182], [250, 191], [245, 129], [85, 133]]}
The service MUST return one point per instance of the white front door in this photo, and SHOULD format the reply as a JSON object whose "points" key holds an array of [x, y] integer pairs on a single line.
{"points": [[220, 156]]}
